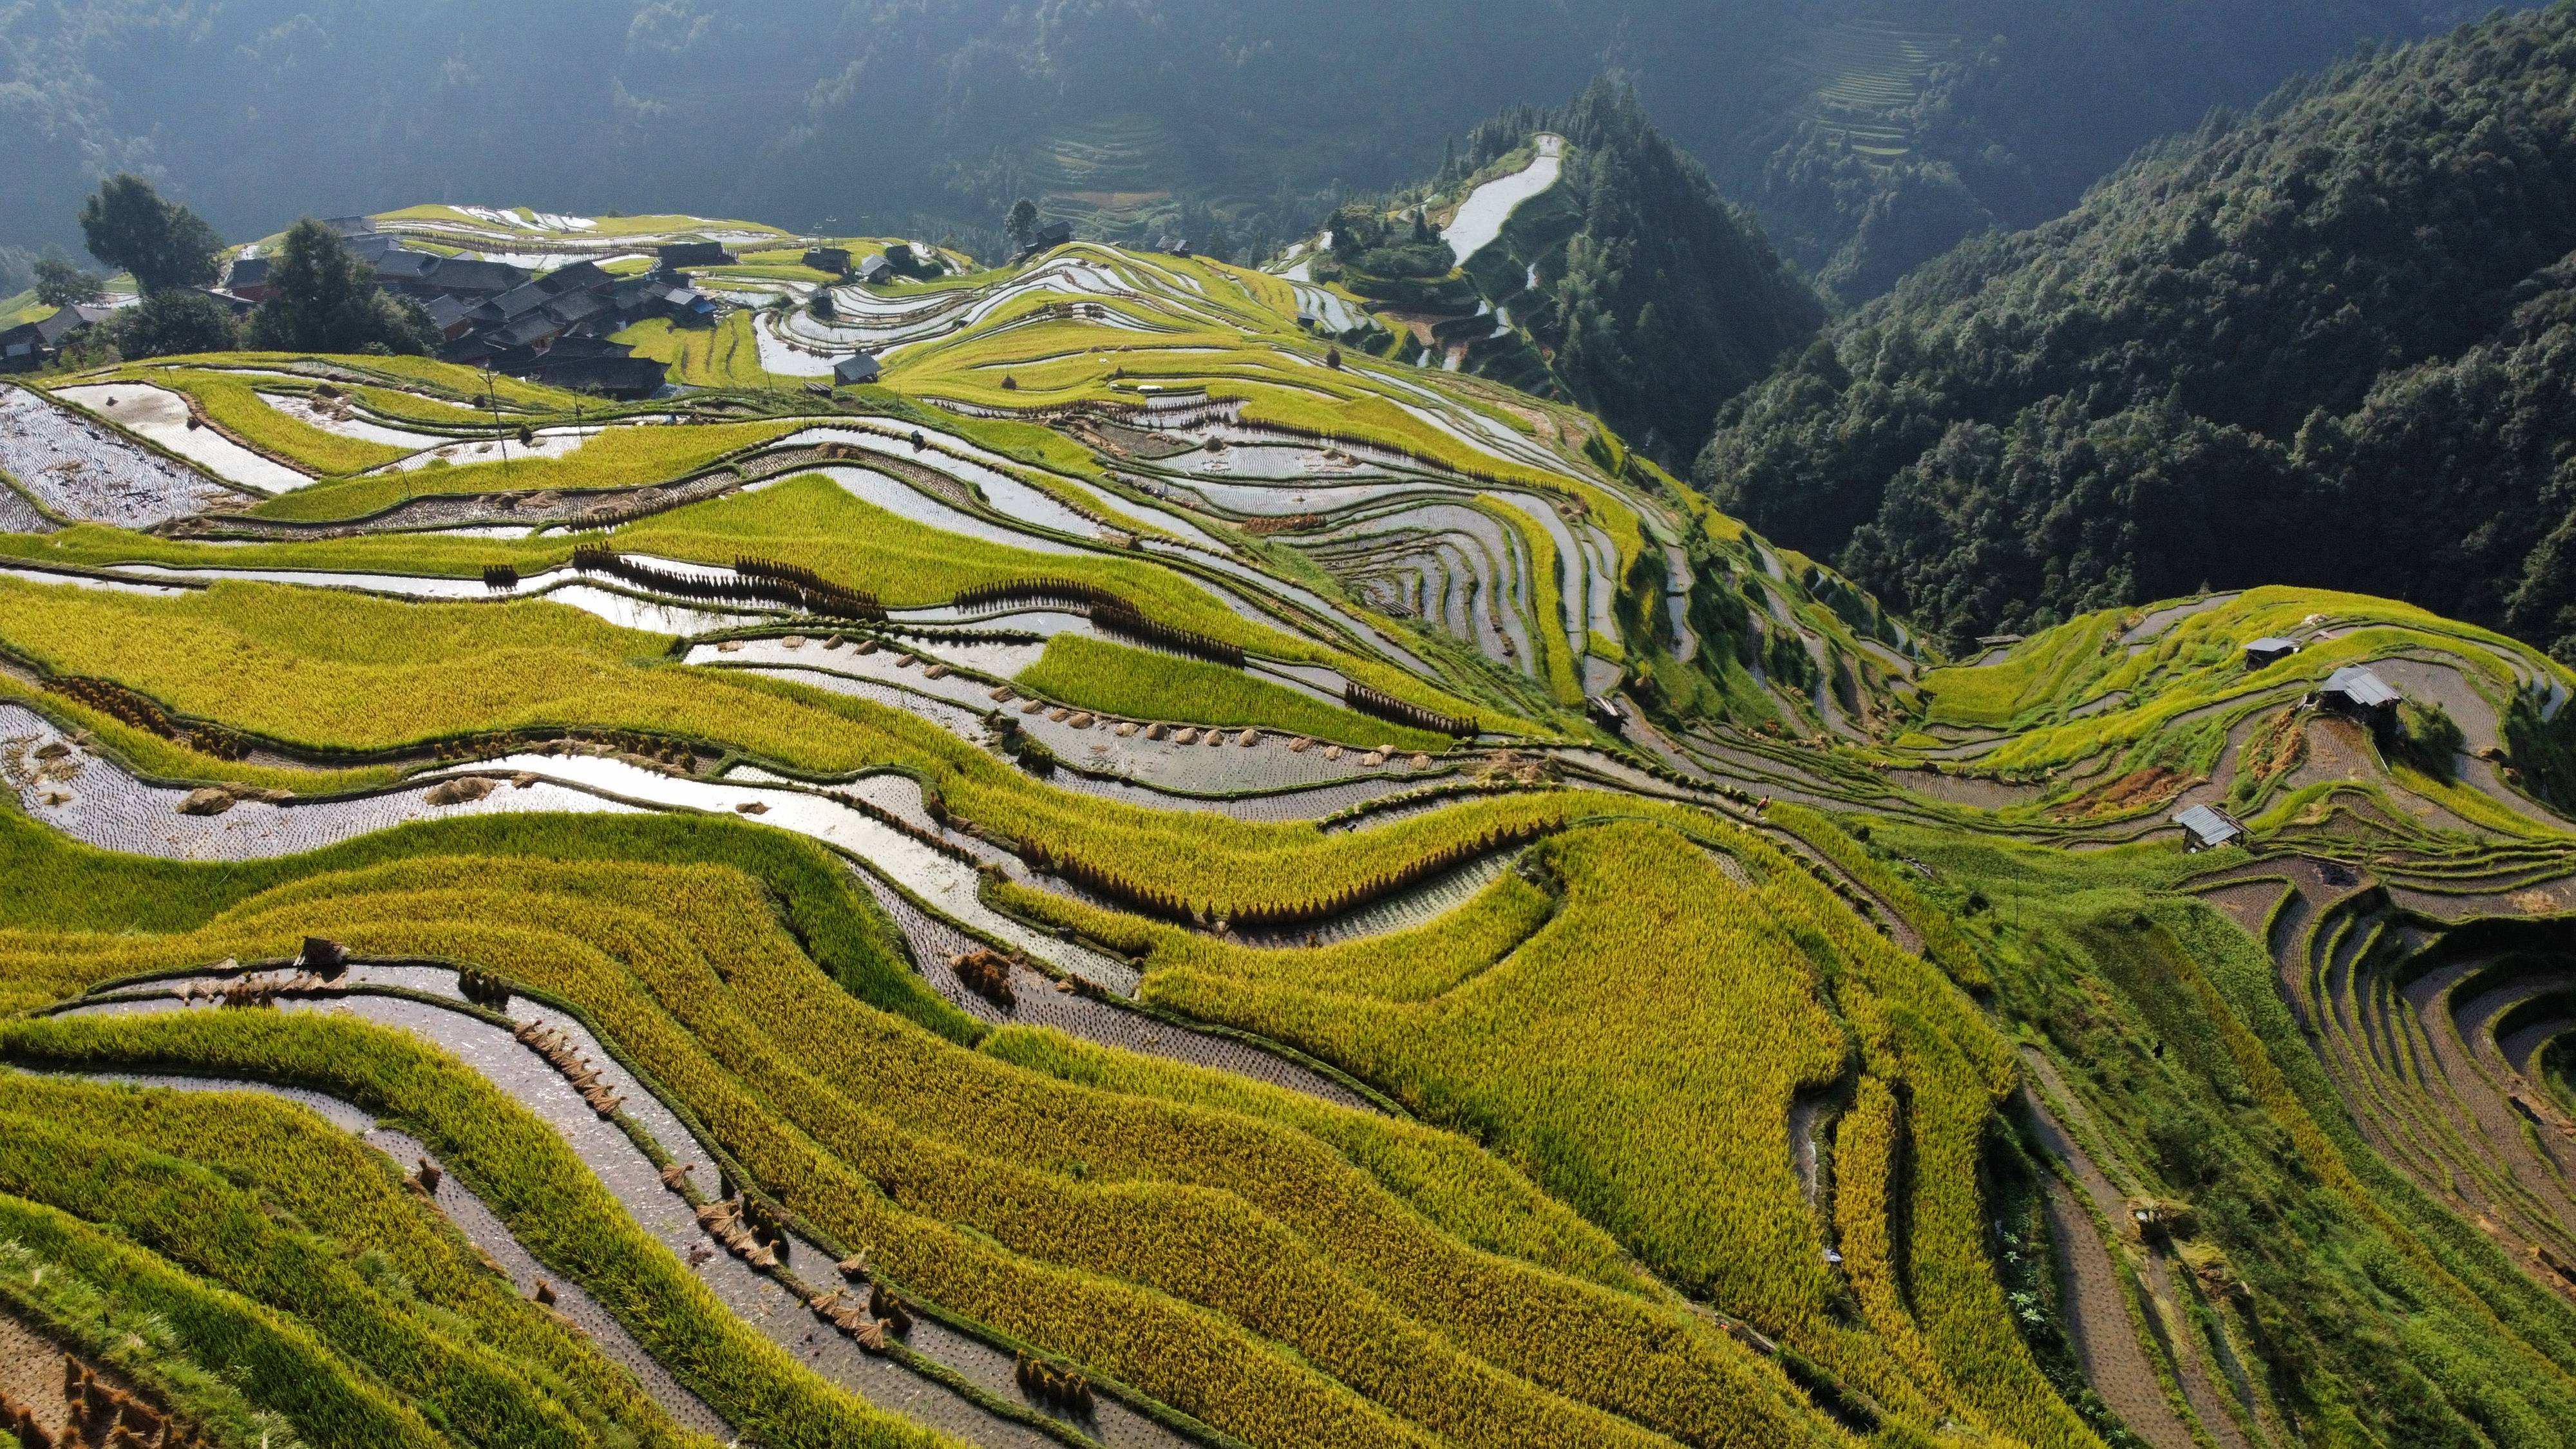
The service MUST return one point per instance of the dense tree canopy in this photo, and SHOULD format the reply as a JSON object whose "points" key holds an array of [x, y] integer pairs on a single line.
{"points": [[2328, 343], [258, 109], [128, 225], [175, 322], [322, 299], [60, 284], [1672, 300]]}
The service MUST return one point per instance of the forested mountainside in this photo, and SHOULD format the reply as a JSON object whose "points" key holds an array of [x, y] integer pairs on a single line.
{"points": [[2329, 343], [1652, 298], [1869, 136], [1914, 126]]}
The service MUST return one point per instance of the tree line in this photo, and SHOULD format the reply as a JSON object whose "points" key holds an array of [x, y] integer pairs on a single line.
{"points": [[320, 298], [2331, 342]]}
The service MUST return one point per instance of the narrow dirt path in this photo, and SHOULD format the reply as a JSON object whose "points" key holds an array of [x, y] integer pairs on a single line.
{"points": [[2201, 1389]]}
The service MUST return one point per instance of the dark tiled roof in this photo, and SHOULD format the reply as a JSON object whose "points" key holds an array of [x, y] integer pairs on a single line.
{"points": [[521, 300], [578, 307], [66, 321], [401, 264], [464, 274], [528, 331], [615, 376], [579, 276]]}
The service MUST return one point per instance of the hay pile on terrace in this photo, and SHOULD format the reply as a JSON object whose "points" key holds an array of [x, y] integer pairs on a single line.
{"points": [[1057, 1386], [98, 1413], [987, 973], [209, 800], [463, 790]]}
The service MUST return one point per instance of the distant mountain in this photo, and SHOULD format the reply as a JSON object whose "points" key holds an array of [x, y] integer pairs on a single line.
{"points": [[2332, 343], [1866, 147], [1886, 134]]}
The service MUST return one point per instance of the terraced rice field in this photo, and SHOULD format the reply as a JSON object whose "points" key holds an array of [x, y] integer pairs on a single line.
{"points": [[1868, 70], [1161, 880]]}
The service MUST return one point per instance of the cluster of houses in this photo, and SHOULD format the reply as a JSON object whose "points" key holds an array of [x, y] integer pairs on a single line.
{"points": [[551, 327], [29, 345]]}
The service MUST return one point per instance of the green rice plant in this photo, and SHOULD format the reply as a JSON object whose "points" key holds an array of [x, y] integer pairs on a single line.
{"points": [[240, 1367], [1544, 1054], [239, 406], [1138, 684], [341, 1188], [2175, 682], [617, 457], [470, 382], [338, 672], [814, 522], [234, 405], [1185, 1198], [1409, 966], [1181, 1354], [196, 1219], [1463, 1190], [1522, 1050], [725, 355], [1943, 943], [525, 1173], [2037, 671], [1547, 608], [1868, 1163], [86, 889], [153, 756], [427, 555], [1136, 1231]]}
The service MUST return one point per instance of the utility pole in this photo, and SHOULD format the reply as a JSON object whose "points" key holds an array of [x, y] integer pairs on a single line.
{"points": [[492, 401]]}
